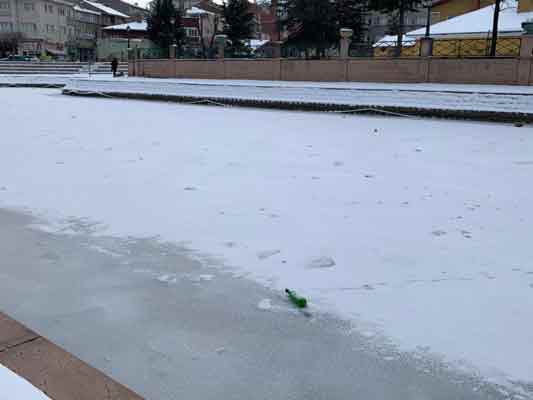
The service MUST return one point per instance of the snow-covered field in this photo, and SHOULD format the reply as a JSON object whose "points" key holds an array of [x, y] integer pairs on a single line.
{"points": [[13, 387], [417, 231]]}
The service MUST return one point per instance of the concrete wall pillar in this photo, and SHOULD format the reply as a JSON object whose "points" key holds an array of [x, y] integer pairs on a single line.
{"points": [[346, 40], [220, 41], [172, 51], [276, 49], [426, 47], [526, 47]]}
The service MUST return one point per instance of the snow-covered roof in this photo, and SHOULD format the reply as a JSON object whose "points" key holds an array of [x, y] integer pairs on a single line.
{"points": [[255, 43], [134, 26], [85, 10], [197, 11], [106, 9], [474, 23]]}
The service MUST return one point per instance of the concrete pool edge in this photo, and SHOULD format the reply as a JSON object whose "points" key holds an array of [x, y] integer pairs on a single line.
{"points": [[54, 371]]}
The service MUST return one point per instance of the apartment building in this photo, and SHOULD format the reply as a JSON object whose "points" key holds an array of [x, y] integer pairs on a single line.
{"points": [[59, 28], [42, 24]]}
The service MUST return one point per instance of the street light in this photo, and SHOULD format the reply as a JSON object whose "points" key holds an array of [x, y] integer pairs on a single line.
{"points": [[428, 17], [128, 31]]}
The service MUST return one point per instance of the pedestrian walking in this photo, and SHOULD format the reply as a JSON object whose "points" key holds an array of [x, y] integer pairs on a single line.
{"points": [[114, 66]]}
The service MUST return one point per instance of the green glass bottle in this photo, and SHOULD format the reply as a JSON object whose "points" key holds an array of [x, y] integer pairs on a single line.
{"points": [[298, 301]]}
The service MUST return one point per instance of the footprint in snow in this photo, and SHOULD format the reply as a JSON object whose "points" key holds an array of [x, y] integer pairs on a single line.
{"points": [[202, 278], [438, 232], [321, 262], [167, 278], [466, 234], [262, 255], [265, 305], [338, 164], [190, 188]]}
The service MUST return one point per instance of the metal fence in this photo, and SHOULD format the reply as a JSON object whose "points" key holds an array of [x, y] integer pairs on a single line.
{"points": [[452, 48], [505, 47]]}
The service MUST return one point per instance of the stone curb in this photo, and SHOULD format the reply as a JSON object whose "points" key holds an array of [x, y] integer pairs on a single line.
{"points": [[57, 373], [485, 116]]}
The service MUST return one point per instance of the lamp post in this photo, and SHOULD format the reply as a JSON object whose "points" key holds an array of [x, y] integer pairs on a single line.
{"points": [[128, 32], [428, 17]]}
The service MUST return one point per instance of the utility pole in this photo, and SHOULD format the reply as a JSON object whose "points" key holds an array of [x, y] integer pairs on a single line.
{"points": [[428, 17], [495, 28]]}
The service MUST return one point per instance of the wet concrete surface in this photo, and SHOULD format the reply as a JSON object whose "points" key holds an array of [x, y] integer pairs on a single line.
{"points": [[168, 327]]}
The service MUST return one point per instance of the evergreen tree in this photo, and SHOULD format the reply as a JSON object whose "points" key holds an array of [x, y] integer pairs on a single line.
{"points": [[351, 14], [238, 23], [312, 23], [165, 26], [398, 9]]}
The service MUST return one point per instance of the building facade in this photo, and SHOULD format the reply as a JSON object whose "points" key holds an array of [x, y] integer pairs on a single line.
{"points": [[42, 25], [58, 28]]}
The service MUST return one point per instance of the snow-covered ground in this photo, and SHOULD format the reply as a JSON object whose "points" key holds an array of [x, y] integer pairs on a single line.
{"points": [[417, 231], [13, 387]]}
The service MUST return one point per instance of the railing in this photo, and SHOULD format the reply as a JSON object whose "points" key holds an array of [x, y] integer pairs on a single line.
{"points": [[505, 47], [452, 48], [410, 48]]}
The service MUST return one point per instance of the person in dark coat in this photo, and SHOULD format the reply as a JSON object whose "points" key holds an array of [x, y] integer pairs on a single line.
{"points": [[114, 66]]}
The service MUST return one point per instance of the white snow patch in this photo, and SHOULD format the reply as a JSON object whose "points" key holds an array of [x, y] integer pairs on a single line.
{"points": [[267, 253], [13, 387], [167, 278], [264, 304], [322, 262]]}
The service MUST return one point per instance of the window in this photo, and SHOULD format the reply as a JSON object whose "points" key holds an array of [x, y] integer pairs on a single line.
{"points": [[49, 8], [29, 7], [29, 28], [191, 32], [61, 11], [50, 28], [5, 27], [4, 5], [63, 30]]}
